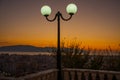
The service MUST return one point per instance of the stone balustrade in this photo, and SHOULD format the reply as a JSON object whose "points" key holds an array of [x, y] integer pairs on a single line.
{"points": [[87, 74], [43, 75], [70, 74]]}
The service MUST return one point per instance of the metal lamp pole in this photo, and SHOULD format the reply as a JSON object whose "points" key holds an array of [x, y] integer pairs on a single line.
{"points": [[58, 16]]}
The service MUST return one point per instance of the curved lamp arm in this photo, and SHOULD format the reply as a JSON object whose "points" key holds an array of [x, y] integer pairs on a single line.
{"points": [[67, 18], [59, 14], [51, 20]]}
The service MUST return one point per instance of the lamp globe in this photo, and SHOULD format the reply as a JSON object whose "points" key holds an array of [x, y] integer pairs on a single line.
{"points": [[46, 10], [71, 9]]}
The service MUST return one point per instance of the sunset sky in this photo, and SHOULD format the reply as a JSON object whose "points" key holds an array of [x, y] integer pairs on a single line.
{"points": [[96, 24]]}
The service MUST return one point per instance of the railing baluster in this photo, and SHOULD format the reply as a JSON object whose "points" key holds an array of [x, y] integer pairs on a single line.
{"points": [[89, 76], [41, 78], [48, 76], [114, 77], [45, 76], [55, 75], [51, 76], [82, 76], [97, 77], [105, 77], [70, 76], [79, 75], [62, 75], [76, 76], [66, 75], [93, 76], [86, 75]]}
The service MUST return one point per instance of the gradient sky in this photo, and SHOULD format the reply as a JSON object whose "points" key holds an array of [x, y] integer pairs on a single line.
{"points": [[96, 24]]}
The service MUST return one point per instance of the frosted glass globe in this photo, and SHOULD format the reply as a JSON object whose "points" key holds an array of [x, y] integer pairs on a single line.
{"points": [[71, 8], [45, 10]]}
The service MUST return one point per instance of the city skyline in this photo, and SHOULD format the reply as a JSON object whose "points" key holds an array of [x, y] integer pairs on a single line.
{"points": [[96, 24]]}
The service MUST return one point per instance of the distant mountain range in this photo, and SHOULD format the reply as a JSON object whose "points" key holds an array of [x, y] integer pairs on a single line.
{"points": [[25, 48]]}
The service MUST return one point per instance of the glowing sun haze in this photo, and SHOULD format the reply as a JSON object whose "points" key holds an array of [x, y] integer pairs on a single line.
{"points": [[96, 23]]}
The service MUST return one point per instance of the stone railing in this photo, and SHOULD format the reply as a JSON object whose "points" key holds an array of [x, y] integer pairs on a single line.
{"points": [[70, 74], [44, 75], [86, 74]]}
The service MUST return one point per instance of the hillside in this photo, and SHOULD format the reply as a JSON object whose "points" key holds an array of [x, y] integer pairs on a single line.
{"points": [[24, 48]]}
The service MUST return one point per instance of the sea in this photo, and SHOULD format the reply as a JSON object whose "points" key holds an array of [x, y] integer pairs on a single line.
{"points": [[51, 53], [27, 53]]}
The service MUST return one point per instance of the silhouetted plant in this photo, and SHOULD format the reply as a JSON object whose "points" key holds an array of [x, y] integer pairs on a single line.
{"points": [[96, 62], [74, 56], [112, 61]]}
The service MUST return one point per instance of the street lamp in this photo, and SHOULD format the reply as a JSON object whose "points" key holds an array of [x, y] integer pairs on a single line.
{"points": [[46, 11]]}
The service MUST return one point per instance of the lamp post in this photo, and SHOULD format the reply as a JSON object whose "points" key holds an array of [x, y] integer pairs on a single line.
{"points": [[46, 11]]}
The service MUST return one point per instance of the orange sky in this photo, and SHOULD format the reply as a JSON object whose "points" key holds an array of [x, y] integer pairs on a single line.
{"points": [[96, 24]]}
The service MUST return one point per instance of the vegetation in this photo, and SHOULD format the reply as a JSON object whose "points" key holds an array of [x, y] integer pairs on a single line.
{"points": [[76, 56], [73, 56], [20, 65]]}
